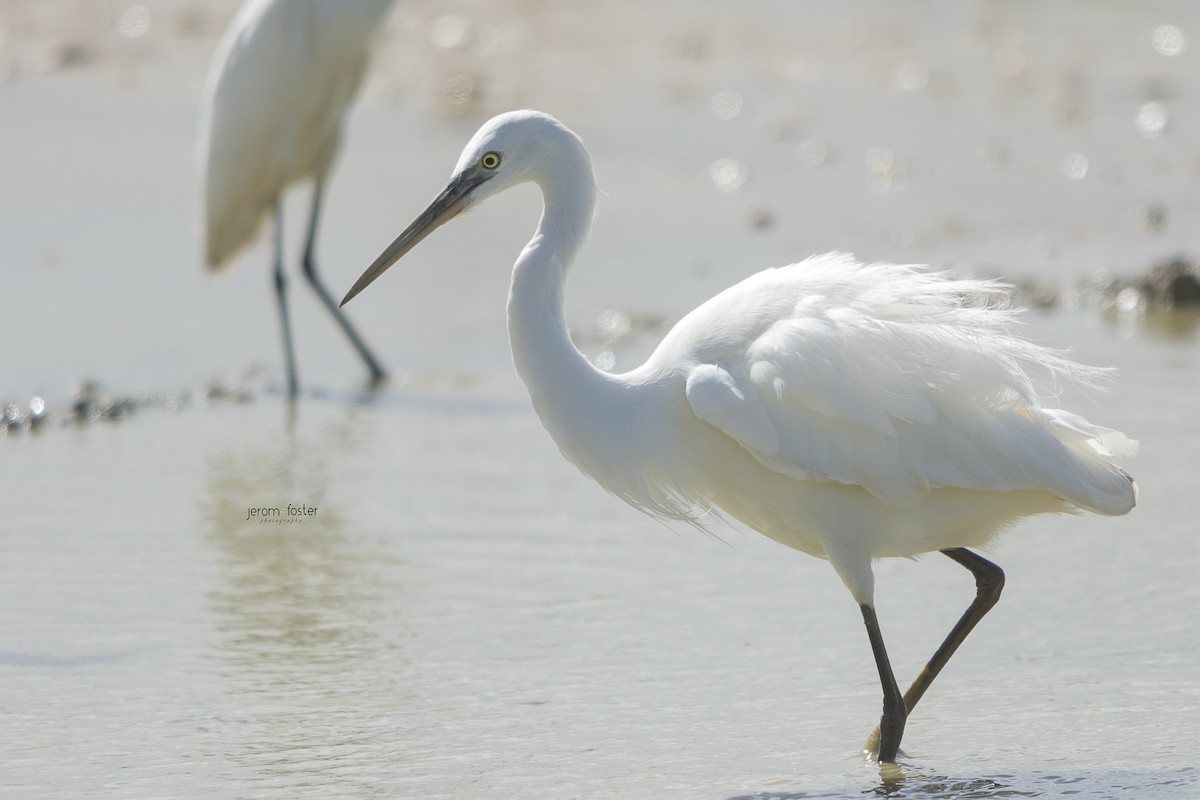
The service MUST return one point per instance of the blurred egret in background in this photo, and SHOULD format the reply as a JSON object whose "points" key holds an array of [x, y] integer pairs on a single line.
{"points": [[849, 411], [282, 79]]}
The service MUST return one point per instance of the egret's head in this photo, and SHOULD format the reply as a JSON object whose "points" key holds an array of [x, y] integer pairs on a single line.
{"points": [[512, 148], [509, 149]]}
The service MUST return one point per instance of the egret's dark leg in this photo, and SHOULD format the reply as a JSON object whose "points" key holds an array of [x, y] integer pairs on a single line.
{"points": [[310, 272], [281, 296], [891, 724], [989, 582]]}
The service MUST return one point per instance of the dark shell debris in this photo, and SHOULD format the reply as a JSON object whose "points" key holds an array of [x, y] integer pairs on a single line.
{"points": [[90, 403], [1172, 284]]}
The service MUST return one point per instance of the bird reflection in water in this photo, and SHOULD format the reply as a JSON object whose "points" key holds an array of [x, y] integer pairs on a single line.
{"points": [[301, 621]]}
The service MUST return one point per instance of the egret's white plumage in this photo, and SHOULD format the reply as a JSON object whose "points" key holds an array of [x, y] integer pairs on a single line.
{"points": [[851, 411], [283, 77]]}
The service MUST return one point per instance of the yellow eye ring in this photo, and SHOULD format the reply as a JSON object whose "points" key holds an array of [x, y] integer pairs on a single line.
{"points": [[490, 160]]}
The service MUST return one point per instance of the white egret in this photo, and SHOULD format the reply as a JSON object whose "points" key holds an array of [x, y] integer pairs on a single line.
{"points": [[282, 79], [849, 411]]}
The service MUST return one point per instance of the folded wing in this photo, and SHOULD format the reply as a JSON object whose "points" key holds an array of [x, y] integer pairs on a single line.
{"points": [[898, 381]]}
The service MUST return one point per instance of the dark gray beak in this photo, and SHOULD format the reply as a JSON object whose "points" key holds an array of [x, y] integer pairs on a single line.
{"points": [[447, 205]]}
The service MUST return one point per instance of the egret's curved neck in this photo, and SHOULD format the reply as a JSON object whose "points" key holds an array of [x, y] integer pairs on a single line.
{"points": [[543, 353]]}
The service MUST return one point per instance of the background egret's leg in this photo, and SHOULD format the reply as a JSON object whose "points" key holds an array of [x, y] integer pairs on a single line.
{"points": [[891, 724], [310, 272], [989, 582], [281, 296]]}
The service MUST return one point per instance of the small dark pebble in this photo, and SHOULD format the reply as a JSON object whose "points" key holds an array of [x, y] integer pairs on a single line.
{"points": [[1171, 283], [90, 402], [1034, 293], [14, 417], [220, 393], [761, 219]]}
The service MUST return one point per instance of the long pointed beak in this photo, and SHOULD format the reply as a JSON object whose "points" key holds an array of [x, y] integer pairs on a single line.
{"points": [[447, 205]]}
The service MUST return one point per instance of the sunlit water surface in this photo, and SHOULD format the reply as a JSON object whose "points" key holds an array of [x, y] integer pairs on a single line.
{"points": [[461, 615]]}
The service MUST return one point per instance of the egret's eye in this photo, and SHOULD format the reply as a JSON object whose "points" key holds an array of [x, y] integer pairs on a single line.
{"points": [[490, 160]]}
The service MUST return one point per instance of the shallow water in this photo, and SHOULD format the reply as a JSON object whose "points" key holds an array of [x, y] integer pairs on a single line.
{"points": [[461, 614]]}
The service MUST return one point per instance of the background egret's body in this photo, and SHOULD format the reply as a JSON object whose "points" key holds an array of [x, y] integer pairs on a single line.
{"points": [[283, 77], [849, 411]]}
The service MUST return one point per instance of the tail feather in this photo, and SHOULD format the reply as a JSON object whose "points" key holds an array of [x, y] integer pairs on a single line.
{"points": [[225, 239], [1101, 484]]}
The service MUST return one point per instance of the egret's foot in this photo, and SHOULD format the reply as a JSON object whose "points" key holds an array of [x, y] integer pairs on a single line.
{"points": [[870, 750], [871, 746], [891, 730]]}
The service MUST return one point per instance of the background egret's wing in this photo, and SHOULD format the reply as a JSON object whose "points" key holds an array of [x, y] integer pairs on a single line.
{"points": [[281, 80]]}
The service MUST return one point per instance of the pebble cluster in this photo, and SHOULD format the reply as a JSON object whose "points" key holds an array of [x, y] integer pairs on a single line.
{"points": [[89, 402], [1171, 285]]}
